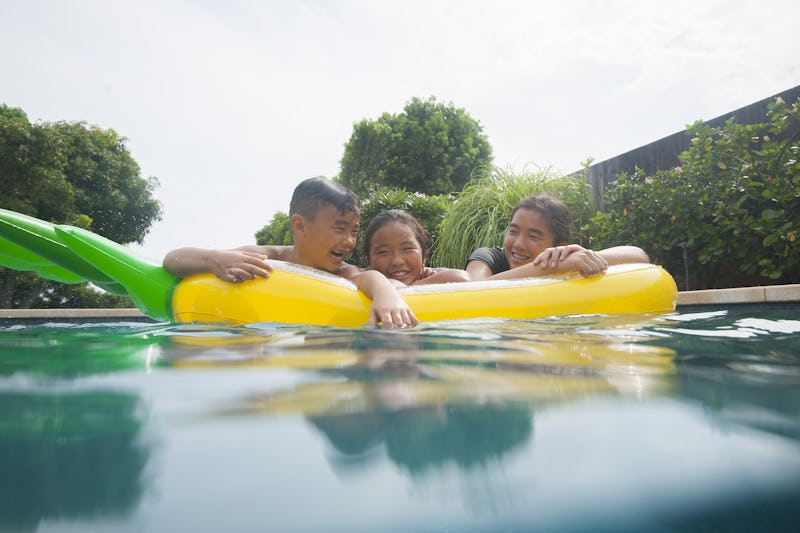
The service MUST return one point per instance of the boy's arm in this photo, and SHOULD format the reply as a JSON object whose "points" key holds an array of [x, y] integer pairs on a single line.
{"points": [[234, 266], [387, 307]]}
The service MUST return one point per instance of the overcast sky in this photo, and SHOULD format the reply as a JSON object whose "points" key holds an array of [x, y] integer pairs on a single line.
{"points": [[231, 103]]}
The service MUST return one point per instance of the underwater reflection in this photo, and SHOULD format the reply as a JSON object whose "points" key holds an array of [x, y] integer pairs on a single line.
{"points": [[744, 370], [68, 456], [73, 350], [418, 439], [427, 399]]}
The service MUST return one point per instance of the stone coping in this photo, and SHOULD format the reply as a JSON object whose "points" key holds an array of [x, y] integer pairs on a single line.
{"points": [[71, 313], [742, 295]]}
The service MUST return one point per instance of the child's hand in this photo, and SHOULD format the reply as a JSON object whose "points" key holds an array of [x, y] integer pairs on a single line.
{"points": [[551, 257], [236, 266], [388, 308], [427, 272], [391, 311], [587, 262]]}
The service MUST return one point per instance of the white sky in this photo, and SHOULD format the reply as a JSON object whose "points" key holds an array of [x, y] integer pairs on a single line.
{"points": [[231, 103]]}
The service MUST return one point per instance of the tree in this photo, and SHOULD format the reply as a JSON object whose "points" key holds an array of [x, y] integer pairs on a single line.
{"points": [[430, 147], [276, 232], [69, 173], [107, 184]]}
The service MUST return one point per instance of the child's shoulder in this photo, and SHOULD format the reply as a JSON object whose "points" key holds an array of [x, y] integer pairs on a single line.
{"points": [[272, 251]]}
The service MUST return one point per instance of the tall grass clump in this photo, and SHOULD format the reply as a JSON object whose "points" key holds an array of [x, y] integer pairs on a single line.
{"points": [[480, 213]]}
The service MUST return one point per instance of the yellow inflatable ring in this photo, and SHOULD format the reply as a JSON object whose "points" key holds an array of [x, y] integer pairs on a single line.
{"points": [[298, 295]]}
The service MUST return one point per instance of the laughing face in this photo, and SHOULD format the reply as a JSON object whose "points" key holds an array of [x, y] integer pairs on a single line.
{"points": [[395, 252], [325, 241], [527, 236]]}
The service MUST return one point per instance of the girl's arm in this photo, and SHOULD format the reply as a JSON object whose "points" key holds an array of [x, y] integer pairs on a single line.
{"points": [[478, 271], [442, 275], [616, 255], [619, 255], [388, 308], [562, 259]]}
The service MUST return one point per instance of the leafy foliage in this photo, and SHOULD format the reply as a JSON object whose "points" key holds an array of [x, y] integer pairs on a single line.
{"points": [[70, 173], [60, 295], [480, 214], [107, 184], [277, 231], [733, 205], [430, 147]]}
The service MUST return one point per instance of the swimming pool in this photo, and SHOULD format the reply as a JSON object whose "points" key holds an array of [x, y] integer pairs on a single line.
{"points": [[680, 422]]}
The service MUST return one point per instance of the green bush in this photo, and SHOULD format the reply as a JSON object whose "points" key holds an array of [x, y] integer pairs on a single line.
{"points": [[480, 214], [733, 205], [57, 296], [277, 231]]}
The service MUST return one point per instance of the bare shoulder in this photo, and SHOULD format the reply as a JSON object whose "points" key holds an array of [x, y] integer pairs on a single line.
{"points": [[280, 253], [348, 271]]}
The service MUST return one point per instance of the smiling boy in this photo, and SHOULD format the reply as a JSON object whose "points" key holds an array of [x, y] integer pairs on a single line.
{"points": [[323, 217]]}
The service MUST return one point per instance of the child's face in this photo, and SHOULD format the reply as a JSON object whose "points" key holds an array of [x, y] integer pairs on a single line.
{"points": [[527, 236], [395, 252], [327, 240]]}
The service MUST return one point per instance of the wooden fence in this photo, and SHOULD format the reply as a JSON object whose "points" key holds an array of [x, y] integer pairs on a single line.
{"points": [[663, 153]]}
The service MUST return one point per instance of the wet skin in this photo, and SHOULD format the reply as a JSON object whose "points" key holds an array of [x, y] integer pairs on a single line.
{"points": [[329, 238], [395, 252], [527, 236]]}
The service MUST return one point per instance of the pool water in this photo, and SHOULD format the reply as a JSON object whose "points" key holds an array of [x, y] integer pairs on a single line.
{"points": [[680, 422]]}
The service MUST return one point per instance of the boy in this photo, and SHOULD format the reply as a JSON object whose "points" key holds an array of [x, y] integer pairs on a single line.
{"points": [[323, 216]]}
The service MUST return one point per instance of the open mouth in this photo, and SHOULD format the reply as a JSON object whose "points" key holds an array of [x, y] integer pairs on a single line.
{"points": [[517, 258], [339, 256], [399, 275]]}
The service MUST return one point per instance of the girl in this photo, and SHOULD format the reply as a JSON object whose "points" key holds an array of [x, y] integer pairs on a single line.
{"points": [[535, 244], [396, 245]]}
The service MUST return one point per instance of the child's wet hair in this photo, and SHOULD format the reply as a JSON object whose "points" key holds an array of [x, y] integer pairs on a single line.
{"points": [[401, 217], [315, 193], [555, 212]]}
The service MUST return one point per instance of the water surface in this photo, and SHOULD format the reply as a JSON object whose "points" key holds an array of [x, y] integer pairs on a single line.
{"points": [[681, 422]]}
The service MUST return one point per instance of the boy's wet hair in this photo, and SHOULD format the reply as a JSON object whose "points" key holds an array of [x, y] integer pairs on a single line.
{"points": [[401, 217], [557, 215], [315, 193]]}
